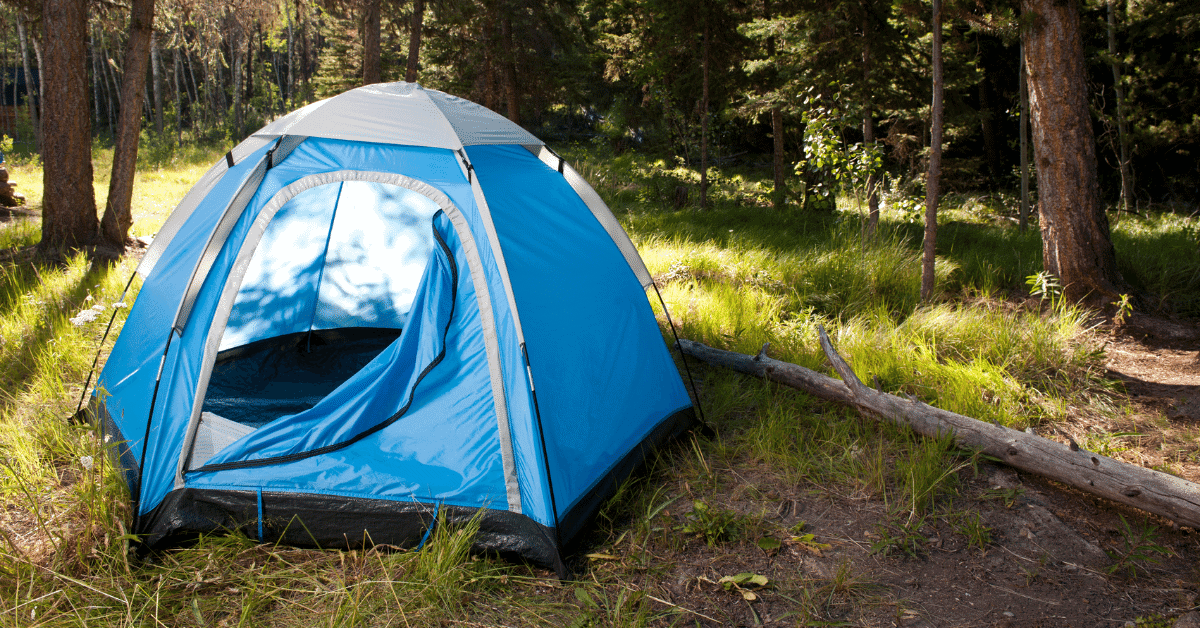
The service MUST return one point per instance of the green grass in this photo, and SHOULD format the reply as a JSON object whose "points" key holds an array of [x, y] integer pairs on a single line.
{"points": [[737, 276]]}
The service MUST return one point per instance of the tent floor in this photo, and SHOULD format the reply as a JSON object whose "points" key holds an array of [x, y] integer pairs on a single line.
{"points": [[257, 383]]}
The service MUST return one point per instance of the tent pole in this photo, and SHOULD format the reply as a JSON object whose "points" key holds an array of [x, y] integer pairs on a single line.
{"points": [[78, 417], [558, 544], [312, 319], [137, 500], [686, 368]]}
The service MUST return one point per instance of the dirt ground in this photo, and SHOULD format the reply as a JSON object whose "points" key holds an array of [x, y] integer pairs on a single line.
{"points": [[1055, 556]]}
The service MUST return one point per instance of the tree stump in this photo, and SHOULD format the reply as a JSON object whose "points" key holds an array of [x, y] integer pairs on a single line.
{"points": [[8, 193]]}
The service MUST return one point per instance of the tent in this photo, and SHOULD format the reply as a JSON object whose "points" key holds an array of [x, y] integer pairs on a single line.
{"points": [[340, 328]]}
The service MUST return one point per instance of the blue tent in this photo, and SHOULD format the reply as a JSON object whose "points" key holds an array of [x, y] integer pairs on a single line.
{"points": [[340, 329]]}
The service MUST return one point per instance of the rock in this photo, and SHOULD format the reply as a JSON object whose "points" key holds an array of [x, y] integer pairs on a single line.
{"points": [[1044, 532], [1188, 620], [1185, 408], [1003, 479]]}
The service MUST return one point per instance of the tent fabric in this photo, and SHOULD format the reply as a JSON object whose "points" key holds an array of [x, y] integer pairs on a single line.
{"points": [[391, 302], [401, 113]]}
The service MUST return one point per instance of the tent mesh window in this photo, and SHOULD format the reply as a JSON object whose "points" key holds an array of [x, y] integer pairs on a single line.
{"points": [[328, 288]]}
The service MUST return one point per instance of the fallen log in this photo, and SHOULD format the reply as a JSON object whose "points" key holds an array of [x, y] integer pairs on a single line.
{"points": [[1152, 491]]}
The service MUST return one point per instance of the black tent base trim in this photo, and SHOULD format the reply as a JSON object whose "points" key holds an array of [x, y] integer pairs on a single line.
{"points": [[337, 522]]}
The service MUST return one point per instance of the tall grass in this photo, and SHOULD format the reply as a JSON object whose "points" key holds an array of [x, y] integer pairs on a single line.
{"points": [[737, 276]]}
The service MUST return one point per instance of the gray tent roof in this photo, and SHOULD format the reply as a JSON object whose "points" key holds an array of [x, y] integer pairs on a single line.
{"points": [[401, 113]]}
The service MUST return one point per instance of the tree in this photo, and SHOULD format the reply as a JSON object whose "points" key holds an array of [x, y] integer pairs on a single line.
{"points": [[68, 202], [31, 91], [935, 159], [414, 41], [372, 70], [117, 214], [1076, 246], [1119, 92], [828, 51]]}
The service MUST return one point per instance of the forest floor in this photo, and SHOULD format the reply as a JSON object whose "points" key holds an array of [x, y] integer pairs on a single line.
{"points": [[1013, 550]]}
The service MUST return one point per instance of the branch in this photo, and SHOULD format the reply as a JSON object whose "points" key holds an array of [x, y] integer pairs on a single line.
{"points": [[1152, 491]]}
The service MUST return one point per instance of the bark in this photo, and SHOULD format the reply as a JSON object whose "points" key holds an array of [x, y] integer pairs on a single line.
{"points": [[117, 215], [30, 89], [935, 161], [414, 41], [1024, 133], [1122, 131], [509, 69], [704, 118], [372, 64], [68, 202], [1154, 492], [1076, 245]]}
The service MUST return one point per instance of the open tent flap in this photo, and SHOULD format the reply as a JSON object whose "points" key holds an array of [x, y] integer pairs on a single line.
{"points": [[374, 396], [329, 286]]}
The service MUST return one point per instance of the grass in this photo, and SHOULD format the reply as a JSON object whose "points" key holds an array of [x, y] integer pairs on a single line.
{"points": [[737, 276]]}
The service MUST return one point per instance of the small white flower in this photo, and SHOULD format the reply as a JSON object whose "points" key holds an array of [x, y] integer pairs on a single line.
{"points": [[118, 304], [99, 307], [89, 297], [85, 316], [87, 462]]}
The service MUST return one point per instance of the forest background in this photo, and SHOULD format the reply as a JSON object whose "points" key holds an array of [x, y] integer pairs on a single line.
{"points": [[703, 84]]}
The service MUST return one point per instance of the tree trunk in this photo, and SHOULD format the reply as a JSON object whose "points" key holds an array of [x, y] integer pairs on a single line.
{"points": [[414, 41], [1076, 246], [779, 197], [178, 100], [509, 68], [30, 89], [1153, 491], [156, 78], [68, 202], [868, 127], [235, 80], [197, 105], [935, 160], [289, 94], [704, 116], [1122, 131], [117, 215], [94, 54], [987, 124], [101, 79], [372, 64], [1023, 88]]}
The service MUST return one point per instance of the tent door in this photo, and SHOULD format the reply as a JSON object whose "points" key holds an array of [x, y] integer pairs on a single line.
{"points": [[328, 288]]}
